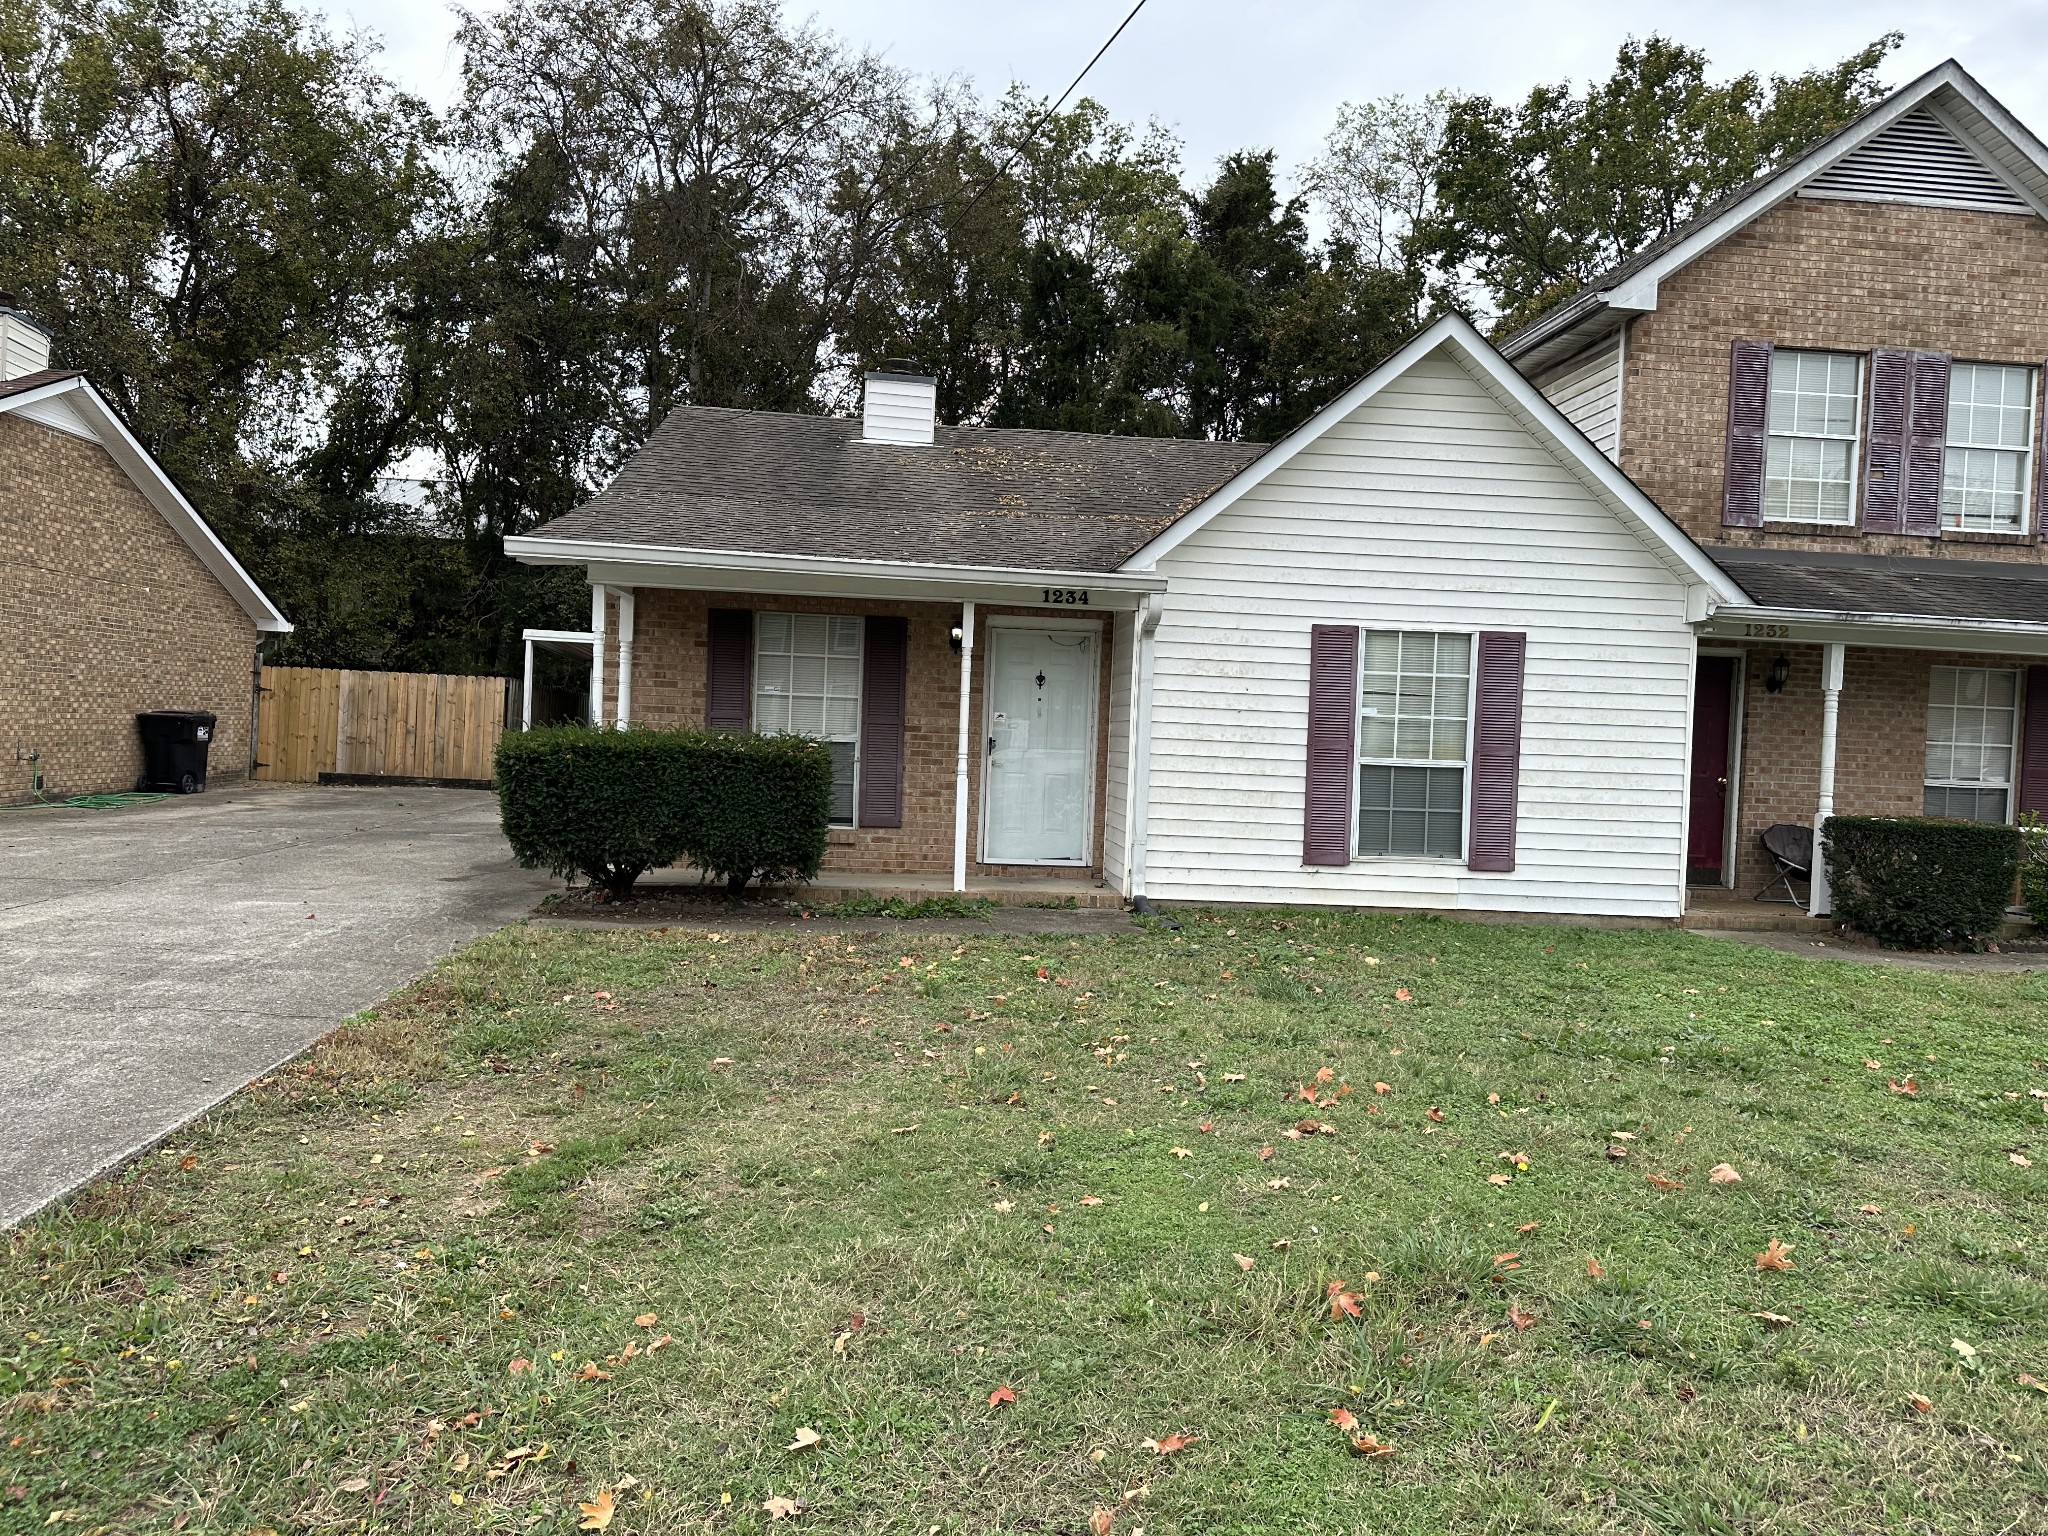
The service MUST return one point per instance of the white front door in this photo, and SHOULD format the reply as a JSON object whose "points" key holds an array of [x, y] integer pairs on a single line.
{"points": [[1040, 715]]}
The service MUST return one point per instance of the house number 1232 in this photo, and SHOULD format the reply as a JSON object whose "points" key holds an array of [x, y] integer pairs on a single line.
{"points": [[1064, 595]]}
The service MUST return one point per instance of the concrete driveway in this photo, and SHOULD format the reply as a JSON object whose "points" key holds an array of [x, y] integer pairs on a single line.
{"points": [[155, 959]]}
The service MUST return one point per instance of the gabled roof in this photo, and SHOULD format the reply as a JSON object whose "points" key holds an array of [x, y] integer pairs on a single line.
{"points": [[1455, 337], [1941, 139], [810, 488], [68, 403]]}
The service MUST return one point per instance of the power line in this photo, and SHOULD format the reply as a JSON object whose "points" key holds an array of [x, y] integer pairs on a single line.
{"points": [[1031, 128]]}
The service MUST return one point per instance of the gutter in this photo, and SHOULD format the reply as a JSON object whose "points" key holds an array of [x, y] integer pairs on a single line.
{"points": [[1907, 623]]}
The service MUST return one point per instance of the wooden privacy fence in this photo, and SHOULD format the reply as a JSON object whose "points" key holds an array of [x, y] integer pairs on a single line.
{"points": [[317, 721]]}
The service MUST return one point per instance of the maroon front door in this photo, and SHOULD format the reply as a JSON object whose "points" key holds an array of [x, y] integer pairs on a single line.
{"points": [[1712, 710]]}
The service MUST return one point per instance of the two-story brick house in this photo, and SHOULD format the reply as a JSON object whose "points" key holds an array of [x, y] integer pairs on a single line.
{"points": [[1833, 382]]}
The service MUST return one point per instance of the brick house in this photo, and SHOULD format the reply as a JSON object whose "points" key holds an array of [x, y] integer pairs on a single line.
{"points": [[1746, 531], [115, 597], [1832, 382]]}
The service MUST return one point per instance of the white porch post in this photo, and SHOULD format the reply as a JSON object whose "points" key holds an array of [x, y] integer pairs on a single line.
{"points": [[960, 762], [597, 595], [1138, 813], [625, 683], [526, 695], [1820, 900]]}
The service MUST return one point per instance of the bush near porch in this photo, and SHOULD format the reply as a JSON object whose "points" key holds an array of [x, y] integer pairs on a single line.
{"points": [[613, 804], [1919, 882], [969, 1210]]}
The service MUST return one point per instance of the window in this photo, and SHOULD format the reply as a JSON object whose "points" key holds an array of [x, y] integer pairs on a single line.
{"points": [[1810, 461], [807, 680], [1984, 471], [1414, 707], [1971, 715]]}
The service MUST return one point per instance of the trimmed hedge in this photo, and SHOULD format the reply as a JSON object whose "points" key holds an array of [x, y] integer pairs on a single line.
{"points": [[1914, 882], [2034, 867], [612, 805]]}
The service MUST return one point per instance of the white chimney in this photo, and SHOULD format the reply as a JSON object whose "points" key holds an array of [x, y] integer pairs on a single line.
{"points": [[24, 345], [899, 406]]}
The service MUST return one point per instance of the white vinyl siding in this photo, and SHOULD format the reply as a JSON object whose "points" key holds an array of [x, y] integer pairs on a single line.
{"points": [[1431, 507], [807, 681], [1116, 795], [1972, 734], [1810, 461], [1414, 726], [1988, 463], [1588, 391]]}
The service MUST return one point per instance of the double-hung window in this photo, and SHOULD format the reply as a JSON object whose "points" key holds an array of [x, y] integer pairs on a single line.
{"points": [[1415, 708], [1972, 715], [807, 681], [1810, 457], [1986, 466]]}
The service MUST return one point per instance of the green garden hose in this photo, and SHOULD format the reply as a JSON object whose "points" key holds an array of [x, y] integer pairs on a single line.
{"points": [[108, 802]]}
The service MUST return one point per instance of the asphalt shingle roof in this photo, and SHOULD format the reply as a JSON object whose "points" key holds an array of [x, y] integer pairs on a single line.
{"points": [[1927, 588], [769, 483], [29, 381]]}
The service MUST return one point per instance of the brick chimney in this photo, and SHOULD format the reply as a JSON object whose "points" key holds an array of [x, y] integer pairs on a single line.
{"points": [[899, 405]]}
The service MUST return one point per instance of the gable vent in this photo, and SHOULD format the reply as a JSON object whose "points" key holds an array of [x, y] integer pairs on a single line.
{"points": [[1916, 160], [899, 405]]}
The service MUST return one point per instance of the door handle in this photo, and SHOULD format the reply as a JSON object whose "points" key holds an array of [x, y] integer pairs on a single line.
{"points": [[991, 746]]}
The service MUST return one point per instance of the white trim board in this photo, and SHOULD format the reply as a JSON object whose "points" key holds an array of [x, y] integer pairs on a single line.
{"points": [[1456, 337], [93, 418]]}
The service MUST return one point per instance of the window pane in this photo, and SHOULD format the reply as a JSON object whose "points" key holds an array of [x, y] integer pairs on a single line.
{"points": [[842, 782], [1411, 812], [807, 676], [1809, 459], [1972, 714]]}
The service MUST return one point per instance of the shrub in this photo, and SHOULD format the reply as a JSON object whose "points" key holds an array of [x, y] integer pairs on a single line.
{"points": [[1917, 883], [613, 804], [2034, 866]]}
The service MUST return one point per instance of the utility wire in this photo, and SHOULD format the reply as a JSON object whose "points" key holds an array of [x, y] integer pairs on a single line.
{"points": [[1031, 128]]}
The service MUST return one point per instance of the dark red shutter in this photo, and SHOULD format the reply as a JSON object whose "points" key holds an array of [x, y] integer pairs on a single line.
{"points": [[1926, 439], [1496, 750], [2041, 462], [2034, 743], [1749, 415], [729, 670], [1885, 430], [884, 696], [1332, 743]]}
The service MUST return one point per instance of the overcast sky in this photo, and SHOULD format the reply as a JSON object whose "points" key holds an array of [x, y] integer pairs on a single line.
{"points": [[1227, 74]]}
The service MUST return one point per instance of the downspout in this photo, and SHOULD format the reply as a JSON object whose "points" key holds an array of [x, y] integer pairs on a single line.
{"points": [[1820, 900], [526, 696], [1140, 813], [960, 760]]}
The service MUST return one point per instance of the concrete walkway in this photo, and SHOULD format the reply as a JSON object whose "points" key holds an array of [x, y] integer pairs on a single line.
{"points": [[1832, 948], [155, 959]]}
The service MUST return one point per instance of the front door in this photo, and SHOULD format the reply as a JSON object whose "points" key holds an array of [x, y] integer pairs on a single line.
{"points": [[1713, 709], [1040, 713]]}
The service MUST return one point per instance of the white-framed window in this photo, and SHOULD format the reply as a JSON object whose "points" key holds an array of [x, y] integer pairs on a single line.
{"points": [[1972, 725], [1810, 457], [1988, 463], [1414, 734], [807, 681]]}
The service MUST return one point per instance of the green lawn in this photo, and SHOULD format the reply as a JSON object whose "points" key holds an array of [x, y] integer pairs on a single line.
{"points": [[416, 1282]]}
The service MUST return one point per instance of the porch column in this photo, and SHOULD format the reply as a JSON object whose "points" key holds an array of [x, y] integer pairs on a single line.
{"points": [[526, 694], [625, 683], [1820, 900], [595, 714], [1138, 794], [960, 762]]}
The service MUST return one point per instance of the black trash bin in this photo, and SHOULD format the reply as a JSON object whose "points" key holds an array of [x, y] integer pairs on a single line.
{"points": [[174, 743]]}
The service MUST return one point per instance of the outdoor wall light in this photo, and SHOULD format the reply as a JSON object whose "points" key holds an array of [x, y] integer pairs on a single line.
{"points": [[953, 638], [1774, 680]]}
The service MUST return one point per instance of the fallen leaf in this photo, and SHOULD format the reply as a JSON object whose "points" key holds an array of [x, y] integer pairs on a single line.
{"points": [[2023, 1379], [1265, 1154], [1616, 1152], [1345, 1420], [2019, 1160], [597, 1514], [1498, 1178], [645, 1320], [1523, 1321], [590, 1372], [1721, 1173], [1100, 1522], [1233, 1077], [1178, 1152], [780, 1508], [1382, 1087], [806, 1437], [1527, 1227], [1593, 1269], [1869, 1210], [1434, 1114], [666, 1338], [1908, 1086], [1774, 1319], [1966, 1351], [1365, 1445], [1091, 1199], [1919, 1403], [1004, 1207], [1001, 1395], [1325, 1075], [1341, 1300], [1403, 995], [1243, 1262], [1659, 1182], [520, 1365], [362, 1484], [1774, 1256], [1493, 1098], [1170, 1444]]}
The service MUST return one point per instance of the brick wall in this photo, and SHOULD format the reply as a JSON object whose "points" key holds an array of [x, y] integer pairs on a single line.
{"points": [[669, 664], [1839, 276], [104, 611], [1880, 743]]}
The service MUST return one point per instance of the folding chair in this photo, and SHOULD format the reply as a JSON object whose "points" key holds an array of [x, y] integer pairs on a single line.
{"points": [[1791, 848]]}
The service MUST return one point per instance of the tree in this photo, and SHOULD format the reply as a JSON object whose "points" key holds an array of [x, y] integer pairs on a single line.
{"points": [[1533, 200]]}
